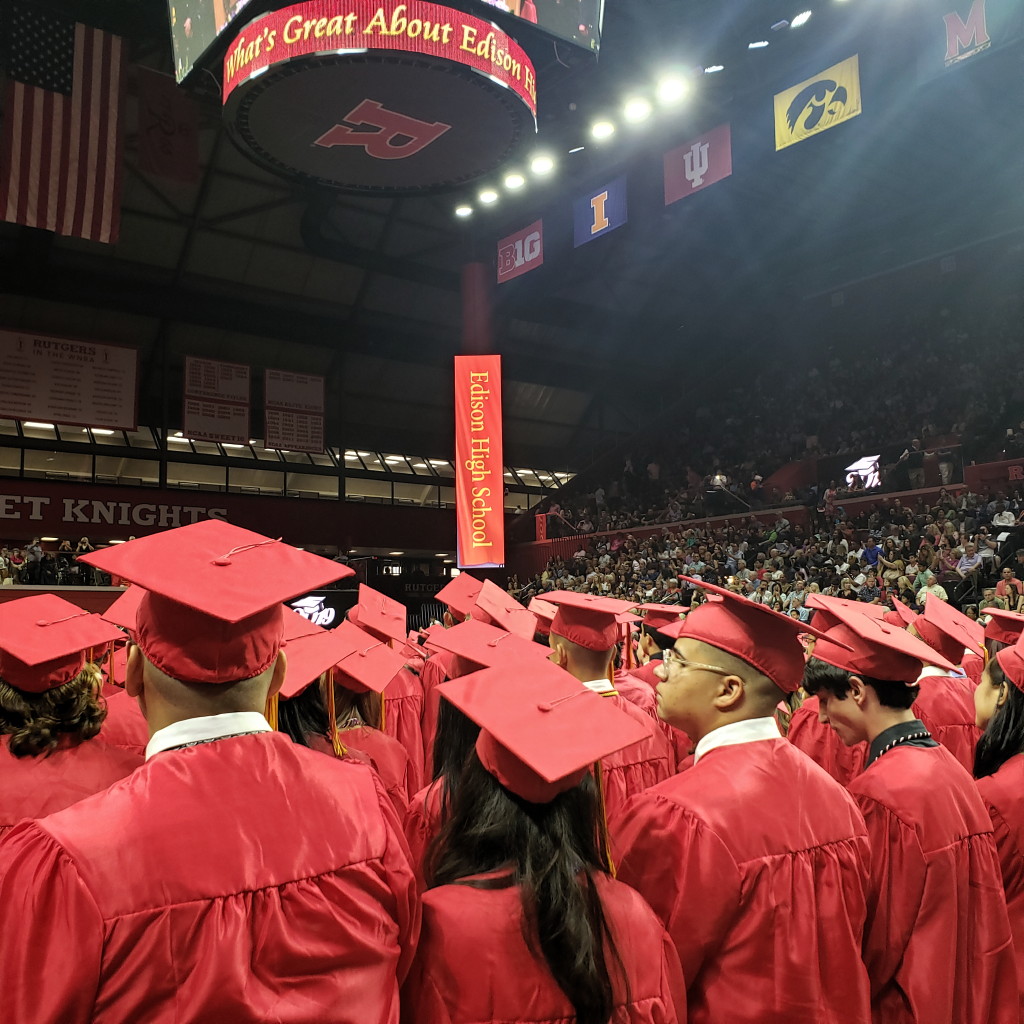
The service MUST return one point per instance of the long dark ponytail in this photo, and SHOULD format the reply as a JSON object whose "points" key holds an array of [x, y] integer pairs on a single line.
{"points": [[1003, 737], [305, 715], [552, 853]]}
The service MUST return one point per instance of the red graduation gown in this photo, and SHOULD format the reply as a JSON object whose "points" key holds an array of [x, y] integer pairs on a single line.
{"points": [[403, 712], [946, 707], [473, 965], [124, 725], [422, 823], [937, 945], [32, 787], [819, 741], [383, 753], [682, 745], [240, 881], [973, 665], [639, 766], [757, 862], [1003, 794], [435, 671]]}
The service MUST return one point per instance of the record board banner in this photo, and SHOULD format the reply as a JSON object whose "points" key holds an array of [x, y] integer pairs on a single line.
{"points": [[64, 380], [522, 252], [698, 163], [599, 211], [817, 104], [479, 473], [215, 405], [294, 413]]}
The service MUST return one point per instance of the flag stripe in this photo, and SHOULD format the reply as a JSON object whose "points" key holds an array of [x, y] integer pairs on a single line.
{"points": [[60, 156]]}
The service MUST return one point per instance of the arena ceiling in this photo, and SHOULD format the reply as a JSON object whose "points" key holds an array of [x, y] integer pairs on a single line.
{"points": [[249, 267]]}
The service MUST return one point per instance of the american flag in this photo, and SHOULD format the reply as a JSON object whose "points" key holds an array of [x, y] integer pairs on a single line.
{"points": [[61, 150]]}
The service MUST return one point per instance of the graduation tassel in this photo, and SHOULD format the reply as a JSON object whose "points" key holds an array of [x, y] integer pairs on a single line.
{"points": [[332, 718], [606, 842], [383, 711], [270, 711]]}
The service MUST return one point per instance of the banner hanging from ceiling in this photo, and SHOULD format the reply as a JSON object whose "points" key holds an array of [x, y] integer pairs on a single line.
{"points": [[817, 104], [479, 474]]}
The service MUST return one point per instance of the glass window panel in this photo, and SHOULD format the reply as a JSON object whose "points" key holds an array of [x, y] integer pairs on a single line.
{"points": [[111, 468], [193, 473], [39, 431], [367, 489], [206, 447], [310, 485], [262, 481], [59, 465], [9, 427], [10, 461], [141, 438], [75, 435], [266, 454], [297, 458], [517, 499], [420, 466], [321, 458], [371, 461], [442, 467], [237, 451]]}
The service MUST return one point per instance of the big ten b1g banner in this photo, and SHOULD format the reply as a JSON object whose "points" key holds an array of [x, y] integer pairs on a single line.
{"points": [[479, 472], [521, 252]]}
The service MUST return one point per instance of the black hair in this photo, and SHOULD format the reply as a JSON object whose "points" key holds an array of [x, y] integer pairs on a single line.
{"points": [[819, 675], [1003, 737], [305, 715], [661, 641], [552, 853]]}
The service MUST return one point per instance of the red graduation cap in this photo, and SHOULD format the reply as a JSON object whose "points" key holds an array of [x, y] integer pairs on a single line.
{"points": [[544, 612], [486, 645], [1003, 626], [296, 625], [379, 614], [819, 601], [124, 610], [905, 613], [589, 620], [870, 646], [752, 632], [460, 594], [1011, 661], [948, 631], [504, 611], [657, 616], [44, 640], [542, 730], [212, 612]]}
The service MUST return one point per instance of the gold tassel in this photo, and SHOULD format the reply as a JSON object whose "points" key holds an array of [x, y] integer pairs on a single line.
{"points": [[270, 712], [606, 842], [383, 711], [340, 749]]}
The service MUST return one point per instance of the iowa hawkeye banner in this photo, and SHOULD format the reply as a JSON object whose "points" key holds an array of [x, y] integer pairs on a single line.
{"points": [[479, 474], [818, 104]]}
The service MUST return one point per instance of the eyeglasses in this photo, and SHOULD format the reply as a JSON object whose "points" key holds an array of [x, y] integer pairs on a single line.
{"points": [[672, 657]]}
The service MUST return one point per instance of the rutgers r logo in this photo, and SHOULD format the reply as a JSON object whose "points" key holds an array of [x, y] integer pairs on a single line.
{"points": [[395, 136], [970, 36]]}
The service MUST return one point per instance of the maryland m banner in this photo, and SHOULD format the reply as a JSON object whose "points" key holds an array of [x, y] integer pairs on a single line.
{"points": [[818, 104]]}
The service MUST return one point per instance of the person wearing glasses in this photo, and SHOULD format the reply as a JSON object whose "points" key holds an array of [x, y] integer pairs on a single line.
{"points": [[756, 860]]}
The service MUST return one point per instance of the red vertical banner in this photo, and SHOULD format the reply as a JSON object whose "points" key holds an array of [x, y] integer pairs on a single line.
{"points": [[479, 471], [542, 526]]}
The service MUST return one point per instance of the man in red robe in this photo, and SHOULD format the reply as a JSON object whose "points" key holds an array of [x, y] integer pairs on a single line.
{"points": [[937, 944], [235, 876], [754, 858]]}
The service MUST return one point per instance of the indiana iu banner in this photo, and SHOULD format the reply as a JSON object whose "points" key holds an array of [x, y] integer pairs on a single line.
{"points": [[599, 212], [818, 104], [479, 473], [698, 163]]}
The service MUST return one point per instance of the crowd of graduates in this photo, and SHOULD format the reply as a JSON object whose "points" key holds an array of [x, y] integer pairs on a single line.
{"points": [[587, 808]]}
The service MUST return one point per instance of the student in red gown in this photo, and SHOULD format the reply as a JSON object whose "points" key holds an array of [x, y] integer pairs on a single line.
{"points": [[53, 748], [754, 858], [582, 640], [999, 769], [938, 944], [331, 701], [402, 708], [523, 920], [235, 876]]}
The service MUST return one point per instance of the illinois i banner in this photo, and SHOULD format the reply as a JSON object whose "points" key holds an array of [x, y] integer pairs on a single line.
{"points": [[599, 212], [479, 473], [818, 103]]}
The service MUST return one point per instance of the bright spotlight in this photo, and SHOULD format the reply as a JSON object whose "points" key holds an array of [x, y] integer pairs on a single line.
{"points": [[463, 211], [759, 45], [602, 129], [514, 181], [672, 89], [801, 19], [636, 110], [488, 196], [714, 67], [542, 164]]}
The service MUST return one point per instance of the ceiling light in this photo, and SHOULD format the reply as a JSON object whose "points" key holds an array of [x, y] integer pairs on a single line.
{"points": [[439, 462], [672, 89], [451, 561], [578, 149], [48, 540], [179, 440], [39, 426], [714, 67], [439, 554], [225, 444], [801, 19], [396, 553], [100, 431], [514, 180], [394, 461], [351, 458], [542, 164], [636, 110], [115, 541], [759, 45], [488, 196], [463, 211], [602, 129]]}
